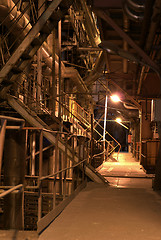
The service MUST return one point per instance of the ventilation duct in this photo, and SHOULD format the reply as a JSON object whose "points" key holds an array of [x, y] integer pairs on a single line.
{"points": [[134, 9]]}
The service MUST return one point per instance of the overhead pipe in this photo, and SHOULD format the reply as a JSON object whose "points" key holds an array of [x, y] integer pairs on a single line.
{"points": [[134, 10], [9, 12], [137, 5], [93, 33], [130, 107], [155, 20], [146, 21]]}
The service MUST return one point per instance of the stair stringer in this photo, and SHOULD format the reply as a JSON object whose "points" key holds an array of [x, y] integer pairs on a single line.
{"points": [[32, 118]]}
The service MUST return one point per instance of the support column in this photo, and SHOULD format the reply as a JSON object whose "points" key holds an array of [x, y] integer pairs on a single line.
{"points": [[39, 57], [54, 85], [32, 150], [157, 179], [92, 140], [14, 174], [51, 167], [60, 77]]}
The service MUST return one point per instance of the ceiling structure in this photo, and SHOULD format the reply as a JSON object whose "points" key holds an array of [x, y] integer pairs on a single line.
{"points": [[106, 47], [130, 37]]}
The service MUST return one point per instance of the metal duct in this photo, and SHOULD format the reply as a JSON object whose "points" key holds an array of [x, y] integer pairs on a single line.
{"points": [[137, 5], [134, 9], [130, 107], [73, 74]]}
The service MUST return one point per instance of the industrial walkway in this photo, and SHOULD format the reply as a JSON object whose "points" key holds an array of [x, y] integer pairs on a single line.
{"points": [[127, 209]]}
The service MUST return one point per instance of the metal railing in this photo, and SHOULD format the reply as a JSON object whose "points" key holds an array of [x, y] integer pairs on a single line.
{"points": [[110, 147], [4, 120], [10, 190], [50, 189]]}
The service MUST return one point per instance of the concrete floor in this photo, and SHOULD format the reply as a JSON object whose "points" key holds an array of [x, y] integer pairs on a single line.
{"points": [[18, 235], [128, 209]]}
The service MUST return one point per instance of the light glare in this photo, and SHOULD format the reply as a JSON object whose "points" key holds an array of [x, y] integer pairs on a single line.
{"points": [[115, 98], [118, 120]]}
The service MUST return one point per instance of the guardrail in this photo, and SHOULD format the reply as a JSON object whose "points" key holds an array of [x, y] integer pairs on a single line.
{"points": [[12, 189], [4, 120], [67, 176]]}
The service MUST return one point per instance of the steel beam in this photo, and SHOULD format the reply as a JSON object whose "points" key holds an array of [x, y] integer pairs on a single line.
{"points": [[28, 39], [34, 120], [102, 14]]}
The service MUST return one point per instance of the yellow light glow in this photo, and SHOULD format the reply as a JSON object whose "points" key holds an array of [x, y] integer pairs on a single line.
{"points": [[118, 120], [115, 98]]}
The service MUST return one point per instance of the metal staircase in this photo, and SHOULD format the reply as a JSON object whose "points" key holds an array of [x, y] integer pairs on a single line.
{"points": [[39, 32], [33, 34]]}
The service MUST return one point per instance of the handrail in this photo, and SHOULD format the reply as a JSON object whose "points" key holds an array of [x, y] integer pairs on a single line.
{"points": [[138, 152], [10, 190], [62, 170], [110, 135], [11, 118]]}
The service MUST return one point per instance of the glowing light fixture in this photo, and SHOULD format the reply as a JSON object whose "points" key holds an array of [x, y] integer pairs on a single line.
{"points": [[118, 120], [115, 98]]}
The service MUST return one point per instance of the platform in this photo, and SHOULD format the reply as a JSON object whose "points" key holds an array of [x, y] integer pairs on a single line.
{"points": [[126, 211]]}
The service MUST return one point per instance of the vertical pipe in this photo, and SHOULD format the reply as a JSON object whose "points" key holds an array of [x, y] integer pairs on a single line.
{"points": [[40, 174], [125, 44], [54, 182], [32, 150], [60, 174], [51, 168], [59, 54], [105, 117], [73, 170], [140, 136], [56, 169], [39, 58], [14, 174], [104, 130], [92, 140], [39, 75], [2, 139], [65, 165], [157, 179], [53, 93]]}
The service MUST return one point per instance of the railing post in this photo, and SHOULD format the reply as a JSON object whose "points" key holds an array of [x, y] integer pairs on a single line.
{"points": [[2, 139], [56, 168], [40, 175], [60, 174], [92, 140], [73, 170], [32, 149], [65, 165]]}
